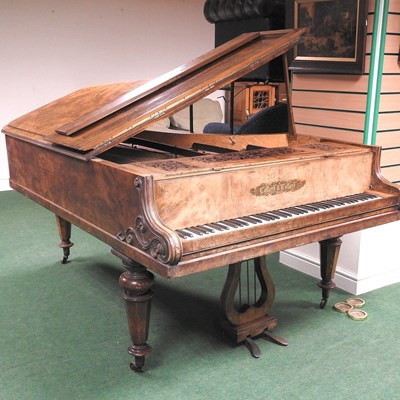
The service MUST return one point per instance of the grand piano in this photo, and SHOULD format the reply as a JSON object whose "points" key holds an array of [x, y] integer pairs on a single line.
{"points": [[175, 204]]}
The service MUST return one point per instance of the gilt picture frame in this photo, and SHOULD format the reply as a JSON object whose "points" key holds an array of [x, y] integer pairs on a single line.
{"points": [[335, 36]]}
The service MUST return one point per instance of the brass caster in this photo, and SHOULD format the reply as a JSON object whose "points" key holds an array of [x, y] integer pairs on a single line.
{"points": [[137, 365], [65, 255], [135, 368]]}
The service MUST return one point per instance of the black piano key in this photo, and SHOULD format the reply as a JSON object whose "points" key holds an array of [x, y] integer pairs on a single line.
{"points": [[359, 197], [367, 196], [350, 199], [287, 213], [263, 217], [269, 215], [238, 222], [341, 201], [205, 228], [228, 226], [292, 210], [218, 227], [251, 219], [300, 210], [308, 208], [183, 234], [370, 196], [279, 213], [364, 196], [232, 224], [331, 203], [194, 230], [328, 204], [337, 202], [320, 205]]}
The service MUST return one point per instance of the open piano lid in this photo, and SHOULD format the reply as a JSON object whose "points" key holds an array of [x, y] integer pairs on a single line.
{"points": [[90, 121]]}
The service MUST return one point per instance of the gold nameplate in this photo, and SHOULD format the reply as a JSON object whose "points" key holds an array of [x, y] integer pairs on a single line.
{"points": [[267, 189]]}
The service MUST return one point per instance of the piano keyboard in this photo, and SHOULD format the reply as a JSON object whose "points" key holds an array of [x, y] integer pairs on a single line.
{"points": [[265, 218]]}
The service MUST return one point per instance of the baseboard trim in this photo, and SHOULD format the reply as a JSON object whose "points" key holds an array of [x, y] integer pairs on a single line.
{"points": [[349, 282], [378, 281], [310, 266]]}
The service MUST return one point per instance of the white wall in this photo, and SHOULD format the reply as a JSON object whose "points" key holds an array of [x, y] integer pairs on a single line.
{"points": [[368, 259], [49, 48]]}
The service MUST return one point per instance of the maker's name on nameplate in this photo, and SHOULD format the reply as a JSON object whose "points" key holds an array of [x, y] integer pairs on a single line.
{"points": [[268, 189]]}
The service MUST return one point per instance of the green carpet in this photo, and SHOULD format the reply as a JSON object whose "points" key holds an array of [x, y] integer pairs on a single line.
{"points": [[63, 332]]}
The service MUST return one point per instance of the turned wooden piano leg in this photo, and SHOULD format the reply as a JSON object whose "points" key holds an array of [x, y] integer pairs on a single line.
{"points": [[64, 230], [329, 254], [246, 321], [136, 283]]}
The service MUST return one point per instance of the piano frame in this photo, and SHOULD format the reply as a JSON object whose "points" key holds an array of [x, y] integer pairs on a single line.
{"points": [[75, 148]]}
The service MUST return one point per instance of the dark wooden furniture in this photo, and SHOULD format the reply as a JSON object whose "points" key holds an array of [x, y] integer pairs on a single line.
{"points": [[249, 99], [177, 204]]}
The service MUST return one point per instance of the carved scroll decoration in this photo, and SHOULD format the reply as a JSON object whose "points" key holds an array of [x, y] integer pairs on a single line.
{"points": [[274, 188], [321, 146], [148, 232], [248, 154], [171, 165]]}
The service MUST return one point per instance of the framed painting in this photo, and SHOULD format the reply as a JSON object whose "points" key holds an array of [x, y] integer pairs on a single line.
{"points": [[335, 36]]}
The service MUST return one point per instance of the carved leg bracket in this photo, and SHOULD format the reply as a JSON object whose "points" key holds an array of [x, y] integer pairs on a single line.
{"points": [[329, 253], [64, 230], [246, 321], [136, 283]]}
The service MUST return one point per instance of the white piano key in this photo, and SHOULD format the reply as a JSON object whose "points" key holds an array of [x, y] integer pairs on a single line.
{"points": [[249, 221]]}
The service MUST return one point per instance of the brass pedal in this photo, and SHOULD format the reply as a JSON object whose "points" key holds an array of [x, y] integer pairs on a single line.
{"points": [[267, 335], [253, 348]]}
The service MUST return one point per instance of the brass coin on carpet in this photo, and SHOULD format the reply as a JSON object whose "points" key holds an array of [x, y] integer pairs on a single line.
{"points": [[343, 307], [356, 302], [357, 315]]}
